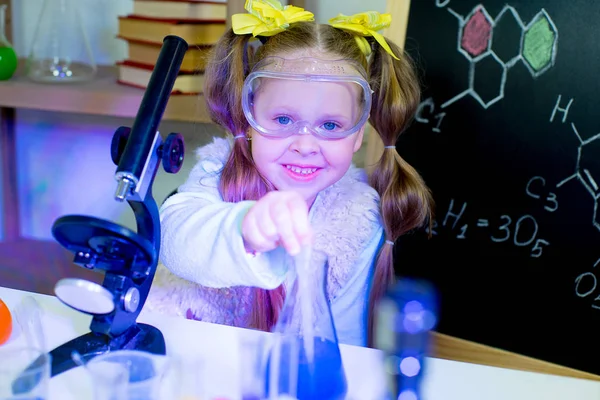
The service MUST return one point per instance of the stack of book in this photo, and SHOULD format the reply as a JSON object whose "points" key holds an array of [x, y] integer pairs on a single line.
{"points": [[199, 22]]}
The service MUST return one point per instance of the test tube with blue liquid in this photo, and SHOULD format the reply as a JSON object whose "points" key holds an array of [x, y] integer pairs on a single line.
{"points": [[404, 317]]}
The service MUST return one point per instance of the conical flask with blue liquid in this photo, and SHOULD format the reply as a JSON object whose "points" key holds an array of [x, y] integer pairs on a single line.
{"points": [[305, 361]]}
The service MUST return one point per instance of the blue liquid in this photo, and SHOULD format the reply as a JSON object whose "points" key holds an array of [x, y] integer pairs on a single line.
{"points": [[323, 379], [24, 398]]}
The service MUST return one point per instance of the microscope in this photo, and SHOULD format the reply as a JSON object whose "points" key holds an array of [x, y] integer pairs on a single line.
{"points": [[128, 259]]}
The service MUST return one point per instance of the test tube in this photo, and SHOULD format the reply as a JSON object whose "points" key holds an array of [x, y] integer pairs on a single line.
{"points": [[404, 317]]}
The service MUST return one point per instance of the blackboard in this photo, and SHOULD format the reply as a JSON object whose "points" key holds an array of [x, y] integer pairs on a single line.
{"points": [[507, 136]]}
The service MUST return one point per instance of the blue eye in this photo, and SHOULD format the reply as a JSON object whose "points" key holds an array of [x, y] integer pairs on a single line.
{"points": [[283, 120], [330, 126]]}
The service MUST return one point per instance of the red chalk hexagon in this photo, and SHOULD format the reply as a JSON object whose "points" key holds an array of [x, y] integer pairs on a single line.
{"points": [[476, 34]]}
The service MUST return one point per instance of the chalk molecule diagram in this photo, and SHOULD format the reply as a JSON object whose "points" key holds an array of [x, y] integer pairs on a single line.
{"points": [[586, 168], [477, 41], [586, 165]]}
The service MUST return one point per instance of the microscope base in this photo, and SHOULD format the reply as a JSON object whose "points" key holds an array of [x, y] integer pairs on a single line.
{"points": [[139, 337]]}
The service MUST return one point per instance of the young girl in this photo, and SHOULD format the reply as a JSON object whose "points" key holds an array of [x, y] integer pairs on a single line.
{"points": [[296, 105]]}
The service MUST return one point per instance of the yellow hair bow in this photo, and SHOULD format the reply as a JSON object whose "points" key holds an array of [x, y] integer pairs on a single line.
{"points": [[365, 24], [267, 18]]}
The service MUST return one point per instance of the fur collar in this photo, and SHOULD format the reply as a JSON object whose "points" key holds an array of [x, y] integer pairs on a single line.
{"points": [[344, 217]]}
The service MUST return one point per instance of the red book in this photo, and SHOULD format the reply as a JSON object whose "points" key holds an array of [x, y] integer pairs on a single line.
{"points": [[183, 10], [138, 75]]}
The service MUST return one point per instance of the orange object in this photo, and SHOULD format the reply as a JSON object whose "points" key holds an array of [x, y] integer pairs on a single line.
{"points": [[5, 322]]}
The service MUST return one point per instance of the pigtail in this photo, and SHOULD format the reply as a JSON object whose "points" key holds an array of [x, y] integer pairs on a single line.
{"points": [[224, 79], [406, 202], [225, 74]]}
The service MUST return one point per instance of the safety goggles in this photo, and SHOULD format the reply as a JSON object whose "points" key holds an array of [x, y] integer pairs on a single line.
{"points": [[330, 99]]}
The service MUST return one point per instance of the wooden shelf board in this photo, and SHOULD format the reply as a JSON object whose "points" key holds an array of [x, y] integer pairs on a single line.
{"points": [[455, 349], [102, 96]]}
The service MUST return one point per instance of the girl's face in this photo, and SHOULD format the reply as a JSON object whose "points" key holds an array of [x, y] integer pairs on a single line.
{"points": [[303, 162]]}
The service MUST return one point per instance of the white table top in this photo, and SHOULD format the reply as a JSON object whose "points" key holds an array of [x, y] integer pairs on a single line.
{"points": [[445, 380]]}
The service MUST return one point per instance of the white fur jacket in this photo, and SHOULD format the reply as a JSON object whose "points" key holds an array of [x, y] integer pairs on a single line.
{"points": [[346, 222]]}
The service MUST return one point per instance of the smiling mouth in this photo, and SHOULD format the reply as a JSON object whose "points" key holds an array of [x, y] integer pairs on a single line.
{"points": [[301, 174], [302, 170]]}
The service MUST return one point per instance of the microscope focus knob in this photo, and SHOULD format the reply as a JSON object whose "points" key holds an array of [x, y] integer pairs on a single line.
{"points": [[131, 300], [173, 151]]}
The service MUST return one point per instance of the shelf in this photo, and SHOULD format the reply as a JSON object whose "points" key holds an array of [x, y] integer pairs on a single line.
{"points": [[102, 96]]}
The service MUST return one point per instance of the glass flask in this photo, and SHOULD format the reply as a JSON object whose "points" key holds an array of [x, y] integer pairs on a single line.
{"points": [[8, 57], [60, 51], [305, 361], [131, 375]]}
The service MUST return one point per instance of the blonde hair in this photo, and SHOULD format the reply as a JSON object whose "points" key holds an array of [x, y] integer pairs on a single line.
{"points": [[406, 202]]}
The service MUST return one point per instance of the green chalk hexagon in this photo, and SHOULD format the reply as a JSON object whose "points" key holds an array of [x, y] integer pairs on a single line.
{"points": [[539, 44]]}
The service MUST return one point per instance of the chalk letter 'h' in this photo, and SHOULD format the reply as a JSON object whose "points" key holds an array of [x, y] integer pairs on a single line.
{"points": [[451, 214], [564, 110]]}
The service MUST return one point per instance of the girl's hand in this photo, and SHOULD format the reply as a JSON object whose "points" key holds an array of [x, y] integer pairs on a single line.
{"points": [[278, 218]]}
